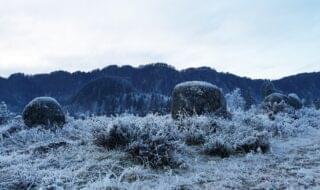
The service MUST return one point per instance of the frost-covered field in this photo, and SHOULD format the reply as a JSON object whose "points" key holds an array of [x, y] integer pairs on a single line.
{"points": [[156, 152]]}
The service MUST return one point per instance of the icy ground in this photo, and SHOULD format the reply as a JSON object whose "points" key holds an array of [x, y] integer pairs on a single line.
{"points": [[69, 158]]}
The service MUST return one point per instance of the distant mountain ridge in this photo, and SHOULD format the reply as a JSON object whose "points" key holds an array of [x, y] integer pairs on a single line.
{"points": [[159, 78]]}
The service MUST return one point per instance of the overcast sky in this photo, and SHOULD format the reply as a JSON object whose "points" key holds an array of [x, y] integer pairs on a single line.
{"points": [[258, 39]]}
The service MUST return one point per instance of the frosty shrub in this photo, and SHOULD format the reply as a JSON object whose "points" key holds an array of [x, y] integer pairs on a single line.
{"points": [[4, 113], [10, 128], [147, 141], [115, 136], [194, 138], [254, 143], [218, 148], [20, 182], [235, 100], [23, 185], [154, 152], [51, 146]]}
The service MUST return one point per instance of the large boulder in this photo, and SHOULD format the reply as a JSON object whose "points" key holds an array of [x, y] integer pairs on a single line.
{"points": [[197, 97], [43, 111], [276, 98], [294, 101], [275, 102]]}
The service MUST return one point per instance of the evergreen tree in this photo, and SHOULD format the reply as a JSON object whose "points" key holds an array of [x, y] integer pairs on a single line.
{"points": [[248, 98], [235, 100], [267, 88]]}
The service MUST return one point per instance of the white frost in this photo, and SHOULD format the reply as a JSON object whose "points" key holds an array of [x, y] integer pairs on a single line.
{"points": [[74, 162], [195, 84]]}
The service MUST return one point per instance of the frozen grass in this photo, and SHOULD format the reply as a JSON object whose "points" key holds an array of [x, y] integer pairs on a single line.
{"points": [[248, 151]]}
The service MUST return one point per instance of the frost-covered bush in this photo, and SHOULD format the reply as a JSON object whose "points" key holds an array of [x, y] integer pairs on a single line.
{"points": [[145, 141], [194, 138], [218, 148], [154, 152], [244, 134], [113, 137], [10, 128], [157, 152], [254, 143], [48, 147], [4, 113], [235, 100], [197, 98], [23, 184], [43, 111]]}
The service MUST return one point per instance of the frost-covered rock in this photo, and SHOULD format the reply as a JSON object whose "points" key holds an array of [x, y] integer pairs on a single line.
{"points": [[197, 97], [316, 103], [294, 101], [43, 111], [275, 102], [276, 98], [278, 102]]}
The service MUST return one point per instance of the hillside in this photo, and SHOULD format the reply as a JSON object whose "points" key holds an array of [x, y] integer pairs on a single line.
{"points": [[19, 89]]}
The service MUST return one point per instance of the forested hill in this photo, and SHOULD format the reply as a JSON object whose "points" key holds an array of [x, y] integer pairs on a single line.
{"points": [[18, 89]]}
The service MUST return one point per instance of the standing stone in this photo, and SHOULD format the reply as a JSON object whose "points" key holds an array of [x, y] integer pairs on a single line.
{"points": [[43, 111], [275, 102], [316, 103], [294, 101], [197, 98]]}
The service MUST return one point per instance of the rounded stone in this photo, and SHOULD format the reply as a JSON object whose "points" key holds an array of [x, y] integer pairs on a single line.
{"points": [[316, 103], [276, 98], [197, 98], [275, 102], [43, 111], [294, 101]]}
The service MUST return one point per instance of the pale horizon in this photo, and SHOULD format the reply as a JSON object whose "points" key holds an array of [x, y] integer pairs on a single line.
{"points": [[137, 66]]}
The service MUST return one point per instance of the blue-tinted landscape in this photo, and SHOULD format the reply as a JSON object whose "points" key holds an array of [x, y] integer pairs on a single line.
{"points": [[159, 95]]}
